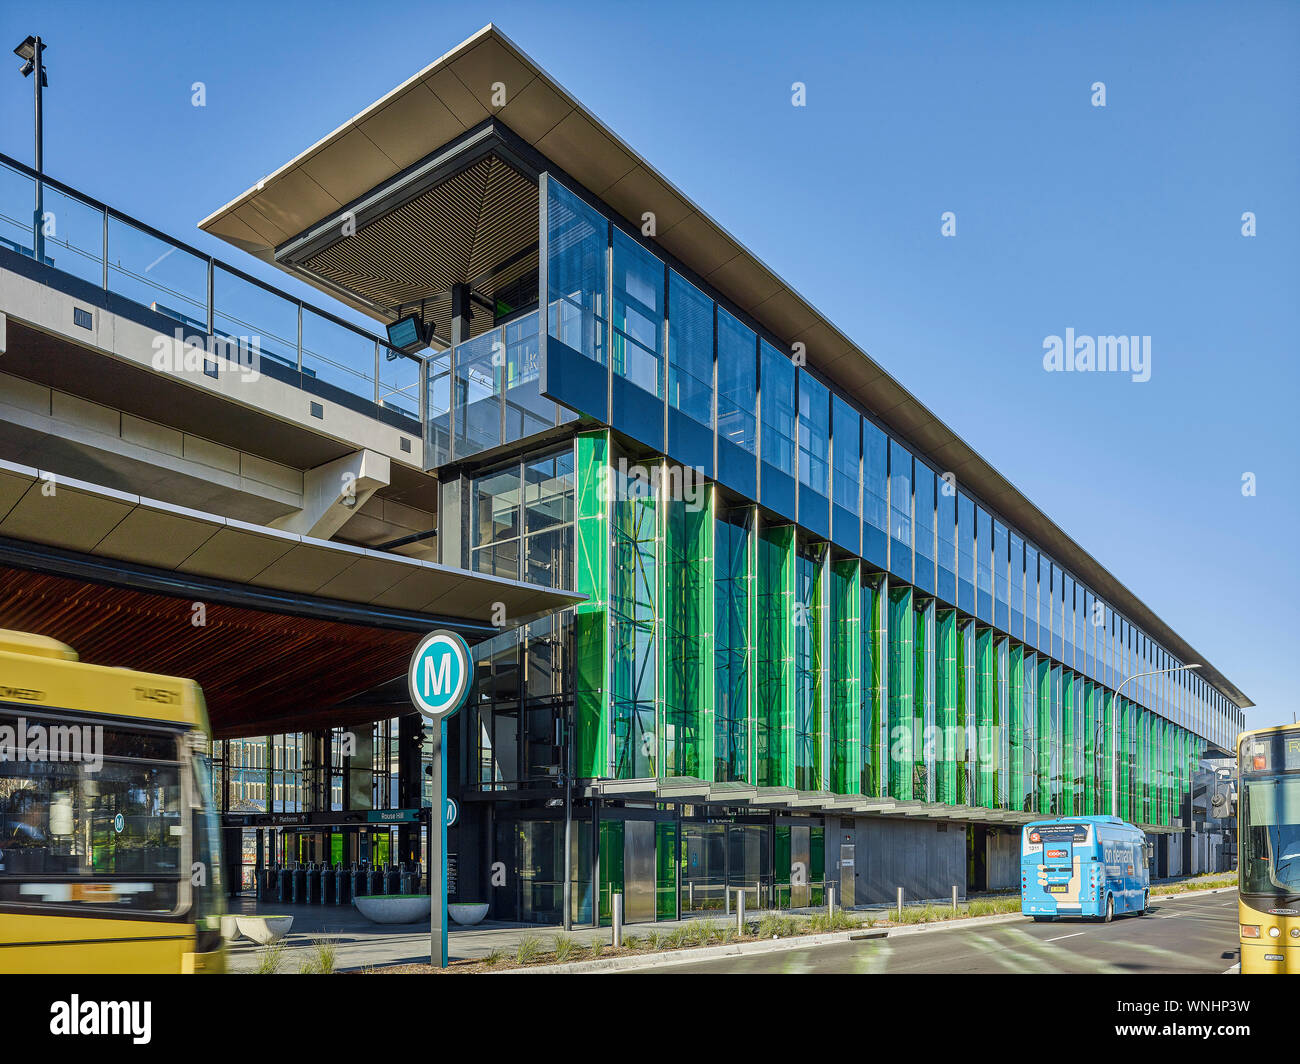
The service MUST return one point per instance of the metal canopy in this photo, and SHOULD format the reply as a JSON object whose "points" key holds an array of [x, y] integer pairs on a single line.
{"points": [[103, 523], [294, 633], [459, 92]]}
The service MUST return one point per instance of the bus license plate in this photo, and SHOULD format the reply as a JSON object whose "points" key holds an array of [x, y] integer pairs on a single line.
{"points": [[1057, 888]]}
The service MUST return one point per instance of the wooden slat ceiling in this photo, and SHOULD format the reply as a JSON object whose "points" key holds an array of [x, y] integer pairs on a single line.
{"points": [[460, 231], [260, 672]]}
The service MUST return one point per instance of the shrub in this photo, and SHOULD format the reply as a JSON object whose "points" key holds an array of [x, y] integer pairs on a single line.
{"points": [[596, 947], [271, 958], [678, 937], [495, 957], [323, 956], [564, 947], [528, 949]]}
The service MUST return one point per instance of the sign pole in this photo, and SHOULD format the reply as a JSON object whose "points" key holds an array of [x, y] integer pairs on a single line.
{"points": [[438, 680], [438, 849]]}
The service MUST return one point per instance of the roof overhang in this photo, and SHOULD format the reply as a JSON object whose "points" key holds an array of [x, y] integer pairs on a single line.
{"points": [[455, 95], [295, 633], [189, 545]]}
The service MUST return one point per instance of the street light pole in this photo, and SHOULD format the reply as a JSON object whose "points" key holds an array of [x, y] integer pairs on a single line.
{"points": [[31, 51], [1114, 730]]}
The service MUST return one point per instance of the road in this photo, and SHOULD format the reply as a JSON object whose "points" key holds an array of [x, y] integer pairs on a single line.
{"points": [[1183, 936]]}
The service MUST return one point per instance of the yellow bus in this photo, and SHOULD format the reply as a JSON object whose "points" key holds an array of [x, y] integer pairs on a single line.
{"points": [[109, 858], [1268, 850]]}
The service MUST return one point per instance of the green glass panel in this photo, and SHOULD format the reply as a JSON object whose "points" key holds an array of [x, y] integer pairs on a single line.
{"points": [[775, 664], [665, 870], [902, 678], [731, 645], [806, 637], [636, 630], [984, 688], [1070, 783], [687, 597], [875, 777], [611, 866], [1089, 748], [1015, 724], [591, 618], [846, 678], [1045, 733], [946, 684], [923, 703]]}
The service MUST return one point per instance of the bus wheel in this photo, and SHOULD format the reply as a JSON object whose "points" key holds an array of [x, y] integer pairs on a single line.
{"points": [[1110, 909], [1042, 919], [1146, 902]]}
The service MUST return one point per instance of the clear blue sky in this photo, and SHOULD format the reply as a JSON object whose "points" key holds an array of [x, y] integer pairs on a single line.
{"points": [[1122, 220]]}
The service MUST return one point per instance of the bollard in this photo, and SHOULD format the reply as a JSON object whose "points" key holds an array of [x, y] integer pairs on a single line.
{"points": [[954, 900], [617, 905], [900, 905], [830, 899], [740, 912], [690, 895], [726, 900]]}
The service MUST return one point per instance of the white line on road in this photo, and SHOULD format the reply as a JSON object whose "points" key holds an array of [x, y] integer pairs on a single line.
{"points": [[1075, 935], [1234, 968]]}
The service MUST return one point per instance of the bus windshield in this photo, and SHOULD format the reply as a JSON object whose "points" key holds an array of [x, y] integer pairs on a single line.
{"points": [[102, 829], [1270, 839]]}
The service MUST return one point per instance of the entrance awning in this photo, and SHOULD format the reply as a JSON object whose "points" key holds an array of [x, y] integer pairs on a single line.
{"points": [[280, 630]]}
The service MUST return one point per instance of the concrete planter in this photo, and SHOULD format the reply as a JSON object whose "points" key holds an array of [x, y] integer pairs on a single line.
{"points": [[264, 929], [393, 908], [467, 913]]}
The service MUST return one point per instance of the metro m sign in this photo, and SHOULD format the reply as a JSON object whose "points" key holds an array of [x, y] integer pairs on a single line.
{"points": [[439, 674]]}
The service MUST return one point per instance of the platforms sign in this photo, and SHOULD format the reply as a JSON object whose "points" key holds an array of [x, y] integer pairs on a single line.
{"points": [[439, 674]]}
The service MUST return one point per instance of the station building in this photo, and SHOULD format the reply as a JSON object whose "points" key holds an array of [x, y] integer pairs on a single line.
{"points": [[746, 615]]}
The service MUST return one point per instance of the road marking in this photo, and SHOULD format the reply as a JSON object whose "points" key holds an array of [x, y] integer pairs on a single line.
{"points": [[1235, 968], [1075, 935]]}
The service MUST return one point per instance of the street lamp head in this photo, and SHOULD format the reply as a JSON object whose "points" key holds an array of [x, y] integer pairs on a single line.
{"points": [[26, 50], [1193, 666]]}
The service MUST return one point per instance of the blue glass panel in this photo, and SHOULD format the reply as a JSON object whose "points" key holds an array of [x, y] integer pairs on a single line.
{"points": [[527, 410], [577, 239], [1001, 598], [946, 519], [637, 341], [814, 454], [965, 554], [476, 395], [1017, 584], [900, 510], [737, 405], [777, 394], [875, 494], [690, 374], [846, 463], [983, 565], [924, 535]]}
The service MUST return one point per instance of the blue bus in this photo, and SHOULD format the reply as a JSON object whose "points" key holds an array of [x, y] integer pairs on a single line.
{"points": [[1094, 866]]}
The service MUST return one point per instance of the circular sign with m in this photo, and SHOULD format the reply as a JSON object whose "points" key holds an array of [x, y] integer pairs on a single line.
{"points": [[439, 674]]}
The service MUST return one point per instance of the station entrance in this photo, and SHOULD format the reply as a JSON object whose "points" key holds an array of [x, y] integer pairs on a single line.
{"points": [[323, 859]]}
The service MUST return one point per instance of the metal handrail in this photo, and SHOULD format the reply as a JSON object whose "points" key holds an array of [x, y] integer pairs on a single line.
{"points": [[212, 264]]}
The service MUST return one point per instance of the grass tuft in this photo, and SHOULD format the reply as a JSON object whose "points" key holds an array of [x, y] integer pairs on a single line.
{"points": [[528, 949]]}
